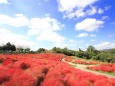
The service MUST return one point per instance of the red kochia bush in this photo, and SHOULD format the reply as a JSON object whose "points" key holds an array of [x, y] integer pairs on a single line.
{"points": [[3, 68], [26, 80], [4, 76], [24, 66], [112, 81], [83, 83], [47, 70], [15, 71], [70, 80], [102, 82], [7, 62], [103, 67], [69, 59], [22, 80], [37, 70], [52, 81]]}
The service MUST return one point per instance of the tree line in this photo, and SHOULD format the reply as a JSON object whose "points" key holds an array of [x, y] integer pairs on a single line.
{"points": [[90, 53], [8, 47], [11, 48]]}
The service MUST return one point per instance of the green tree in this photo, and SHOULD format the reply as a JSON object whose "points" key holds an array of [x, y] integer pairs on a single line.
{"points": [[13, 48], [8, 47], [102, 56], [27, 50], [54, 49], [90, 49], [19, 49], [80, 54], [40, 50], [0, 47]]}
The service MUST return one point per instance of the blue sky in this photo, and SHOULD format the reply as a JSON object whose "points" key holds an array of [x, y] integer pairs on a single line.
{"points": [[62, 23]]}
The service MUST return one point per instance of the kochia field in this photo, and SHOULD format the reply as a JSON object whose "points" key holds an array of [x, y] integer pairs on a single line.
{"points": [[45, 69]]}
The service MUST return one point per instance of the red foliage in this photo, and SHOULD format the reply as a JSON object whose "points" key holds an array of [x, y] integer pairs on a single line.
{"points": [[15, 71], [47, 70], [69, 59], [103, 67], [84, 62], [112, 81], [102, 82], [22, 80], [24, 66], [70, 80], [4, 76], [52, 81]]}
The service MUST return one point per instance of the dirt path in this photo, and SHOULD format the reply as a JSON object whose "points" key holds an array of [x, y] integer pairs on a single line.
{"points": [[84, 68]]}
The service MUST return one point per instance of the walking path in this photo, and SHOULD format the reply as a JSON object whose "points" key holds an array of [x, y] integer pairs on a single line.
{"points": [[84, 68]]}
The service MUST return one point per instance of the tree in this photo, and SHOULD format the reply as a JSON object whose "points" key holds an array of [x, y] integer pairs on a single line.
{"points": [[102, 56], [80, 49], [80, 54], [19, 49], [27, 50], [90, 49], [1, 47], [54, 49], [13, 48], [57, 50], [40, 50], [111, 51], [8, 47]]}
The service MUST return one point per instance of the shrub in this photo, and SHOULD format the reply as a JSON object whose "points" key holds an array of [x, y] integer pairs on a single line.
{"points": [[4, 76], [24, 66]]}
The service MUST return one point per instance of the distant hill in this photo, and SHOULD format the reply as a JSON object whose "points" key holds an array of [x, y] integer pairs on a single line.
{"points": [[106, 49]]}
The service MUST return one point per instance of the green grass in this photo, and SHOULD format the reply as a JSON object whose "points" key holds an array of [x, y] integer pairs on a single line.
{"points": [[111, 73], [73, 65], [88, 60], [81, 58]]}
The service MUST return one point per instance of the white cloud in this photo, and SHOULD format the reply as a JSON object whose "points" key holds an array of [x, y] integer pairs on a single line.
{"points": [[105, 45], [72, 4], [89, 24], [69, 43], [93, 35], [3, 1], [38, 25], [107, 7], [45, 29], [82, 35], [17, 20], [17, 39], [47, 15], [113, 23], [92, 11], [85, 35], [104, 18], [100, 11], [50, 36], [92, 40], [72, 8], [78, 13], [79, 8]]}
